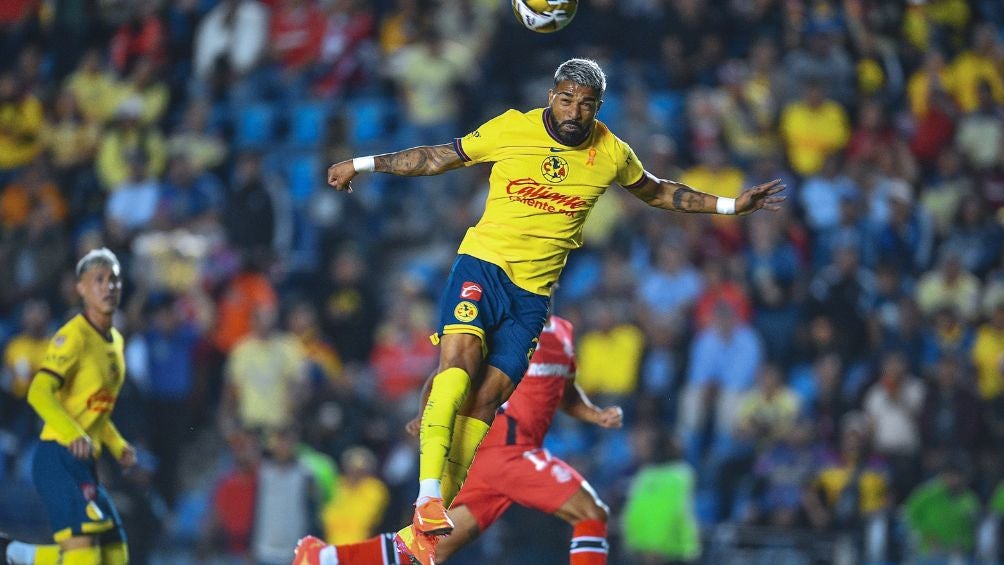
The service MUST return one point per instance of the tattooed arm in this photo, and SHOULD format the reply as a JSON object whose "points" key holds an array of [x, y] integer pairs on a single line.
{"points": [[417, 161], [672, 195]]}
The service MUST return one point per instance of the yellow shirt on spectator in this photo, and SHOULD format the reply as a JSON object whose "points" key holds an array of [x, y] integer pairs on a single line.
{"points": [[22, 359], [69, 142], [113, 163], [355, 511], [609, 361], [265, 373], [727, 181], [918, 89], [155, 99], [988, 356], [871, 492], [97, 94], [812, 134], [20, 132], [969, 70]]}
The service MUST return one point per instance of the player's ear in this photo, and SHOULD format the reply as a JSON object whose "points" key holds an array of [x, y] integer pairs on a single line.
{"points": [[550, 96]]}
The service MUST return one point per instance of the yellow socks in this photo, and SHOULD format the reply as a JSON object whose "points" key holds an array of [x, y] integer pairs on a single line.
{"points": [[115, 554], [467, 435], [447, 395], [81, 556], [42, 554]]}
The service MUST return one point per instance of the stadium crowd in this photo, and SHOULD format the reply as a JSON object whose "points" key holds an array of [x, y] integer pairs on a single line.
{"points": [[831, 376]]}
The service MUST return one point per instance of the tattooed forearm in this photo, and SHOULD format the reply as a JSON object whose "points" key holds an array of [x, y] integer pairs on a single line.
{"points": [[419, 161], [686, 199]]}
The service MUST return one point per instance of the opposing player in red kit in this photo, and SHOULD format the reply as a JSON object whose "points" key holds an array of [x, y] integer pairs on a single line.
{"points": [[511, 466]]}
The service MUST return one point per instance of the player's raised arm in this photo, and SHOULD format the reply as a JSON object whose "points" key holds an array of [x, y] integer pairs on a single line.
{"points": [[424, 160], [672, 195], [576, 404]]}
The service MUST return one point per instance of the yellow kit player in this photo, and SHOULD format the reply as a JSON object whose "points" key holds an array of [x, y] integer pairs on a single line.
{"points": [[74, 393], [550, 165]]}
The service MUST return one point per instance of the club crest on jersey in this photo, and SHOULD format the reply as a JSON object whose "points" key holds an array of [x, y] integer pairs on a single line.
{"points": [[465, 311], [470, 291], [554, 168], [94, 512], [59, 340]]}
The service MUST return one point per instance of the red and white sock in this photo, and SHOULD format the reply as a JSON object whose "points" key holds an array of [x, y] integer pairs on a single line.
{"points": [[379, 550], [589, 543]]}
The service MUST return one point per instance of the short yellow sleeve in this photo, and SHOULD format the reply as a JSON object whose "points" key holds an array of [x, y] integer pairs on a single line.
{"points": [[480, 145], [63, 354], [630, 171]]}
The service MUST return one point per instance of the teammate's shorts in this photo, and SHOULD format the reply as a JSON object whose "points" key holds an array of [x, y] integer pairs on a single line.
{"points": [[479, 299], [530, 477], [77, 505]]}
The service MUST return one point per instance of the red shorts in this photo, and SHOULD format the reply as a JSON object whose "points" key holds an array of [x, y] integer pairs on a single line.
{"points": [[530, 477]]}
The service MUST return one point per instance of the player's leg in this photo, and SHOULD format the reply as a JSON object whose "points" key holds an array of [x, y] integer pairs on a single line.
{"points": [[68, 489], [76, 550], [114, 549], [80, 550], [471, 426], [16, 552], [467, 311], [460, 357], [588, 516], [378, 550], [465, 531]]}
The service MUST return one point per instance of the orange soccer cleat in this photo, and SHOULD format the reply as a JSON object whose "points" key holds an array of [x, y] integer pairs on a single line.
{"points": [[308, 551], [431, 519], [420, 549]]}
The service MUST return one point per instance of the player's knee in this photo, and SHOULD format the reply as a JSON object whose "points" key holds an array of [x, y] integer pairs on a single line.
{"points": [[461, 351]]}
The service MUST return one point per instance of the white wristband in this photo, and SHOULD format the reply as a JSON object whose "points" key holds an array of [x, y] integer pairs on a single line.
{"points": [[726, 206], [364, 164]]}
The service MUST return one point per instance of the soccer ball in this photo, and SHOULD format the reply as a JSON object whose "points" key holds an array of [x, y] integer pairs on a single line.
{"points": [[544, 16]]}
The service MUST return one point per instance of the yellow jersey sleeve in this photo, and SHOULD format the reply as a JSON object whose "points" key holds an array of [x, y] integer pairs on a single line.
{"points": [[63, 354], [113, 440], [482, 144], [42, 398], [630, 171]]}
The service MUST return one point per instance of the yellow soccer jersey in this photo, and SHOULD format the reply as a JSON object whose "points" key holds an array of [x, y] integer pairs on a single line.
{"points": [[540, 192], [91, 369]]}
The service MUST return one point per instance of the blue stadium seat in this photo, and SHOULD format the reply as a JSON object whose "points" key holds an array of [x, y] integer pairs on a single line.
{"points": [[367, 119], [665, 107], [304, 172], [612, 111], [255, 126], [307, 123]]}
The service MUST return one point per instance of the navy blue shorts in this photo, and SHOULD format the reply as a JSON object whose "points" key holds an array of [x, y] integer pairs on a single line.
{"points": [[77, 505], [481, 300]]}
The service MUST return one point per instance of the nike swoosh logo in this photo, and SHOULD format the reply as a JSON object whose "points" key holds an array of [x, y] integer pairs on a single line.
{"points": [[556, 150]]}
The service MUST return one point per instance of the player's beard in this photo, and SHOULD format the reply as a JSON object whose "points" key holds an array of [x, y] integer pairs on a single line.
{"points": [[569, 136]]}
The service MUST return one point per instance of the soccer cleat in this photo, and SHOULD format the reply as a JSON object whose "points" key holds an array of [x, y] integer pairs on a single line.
{"points": [[308, 551], [419, 549], [431, 519]]}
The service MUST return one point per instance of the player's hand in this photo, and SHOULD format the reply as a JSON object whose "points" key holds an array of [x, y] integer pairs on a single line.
{"points": [[81, 448], [128, 458], [611, 417], [414, 426], [340, 175], [760, 196]]}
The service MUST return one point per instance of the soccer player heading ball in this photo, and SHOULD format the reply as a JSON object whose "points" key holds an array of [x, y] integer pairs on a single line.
{"points": [[550, 165]]}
